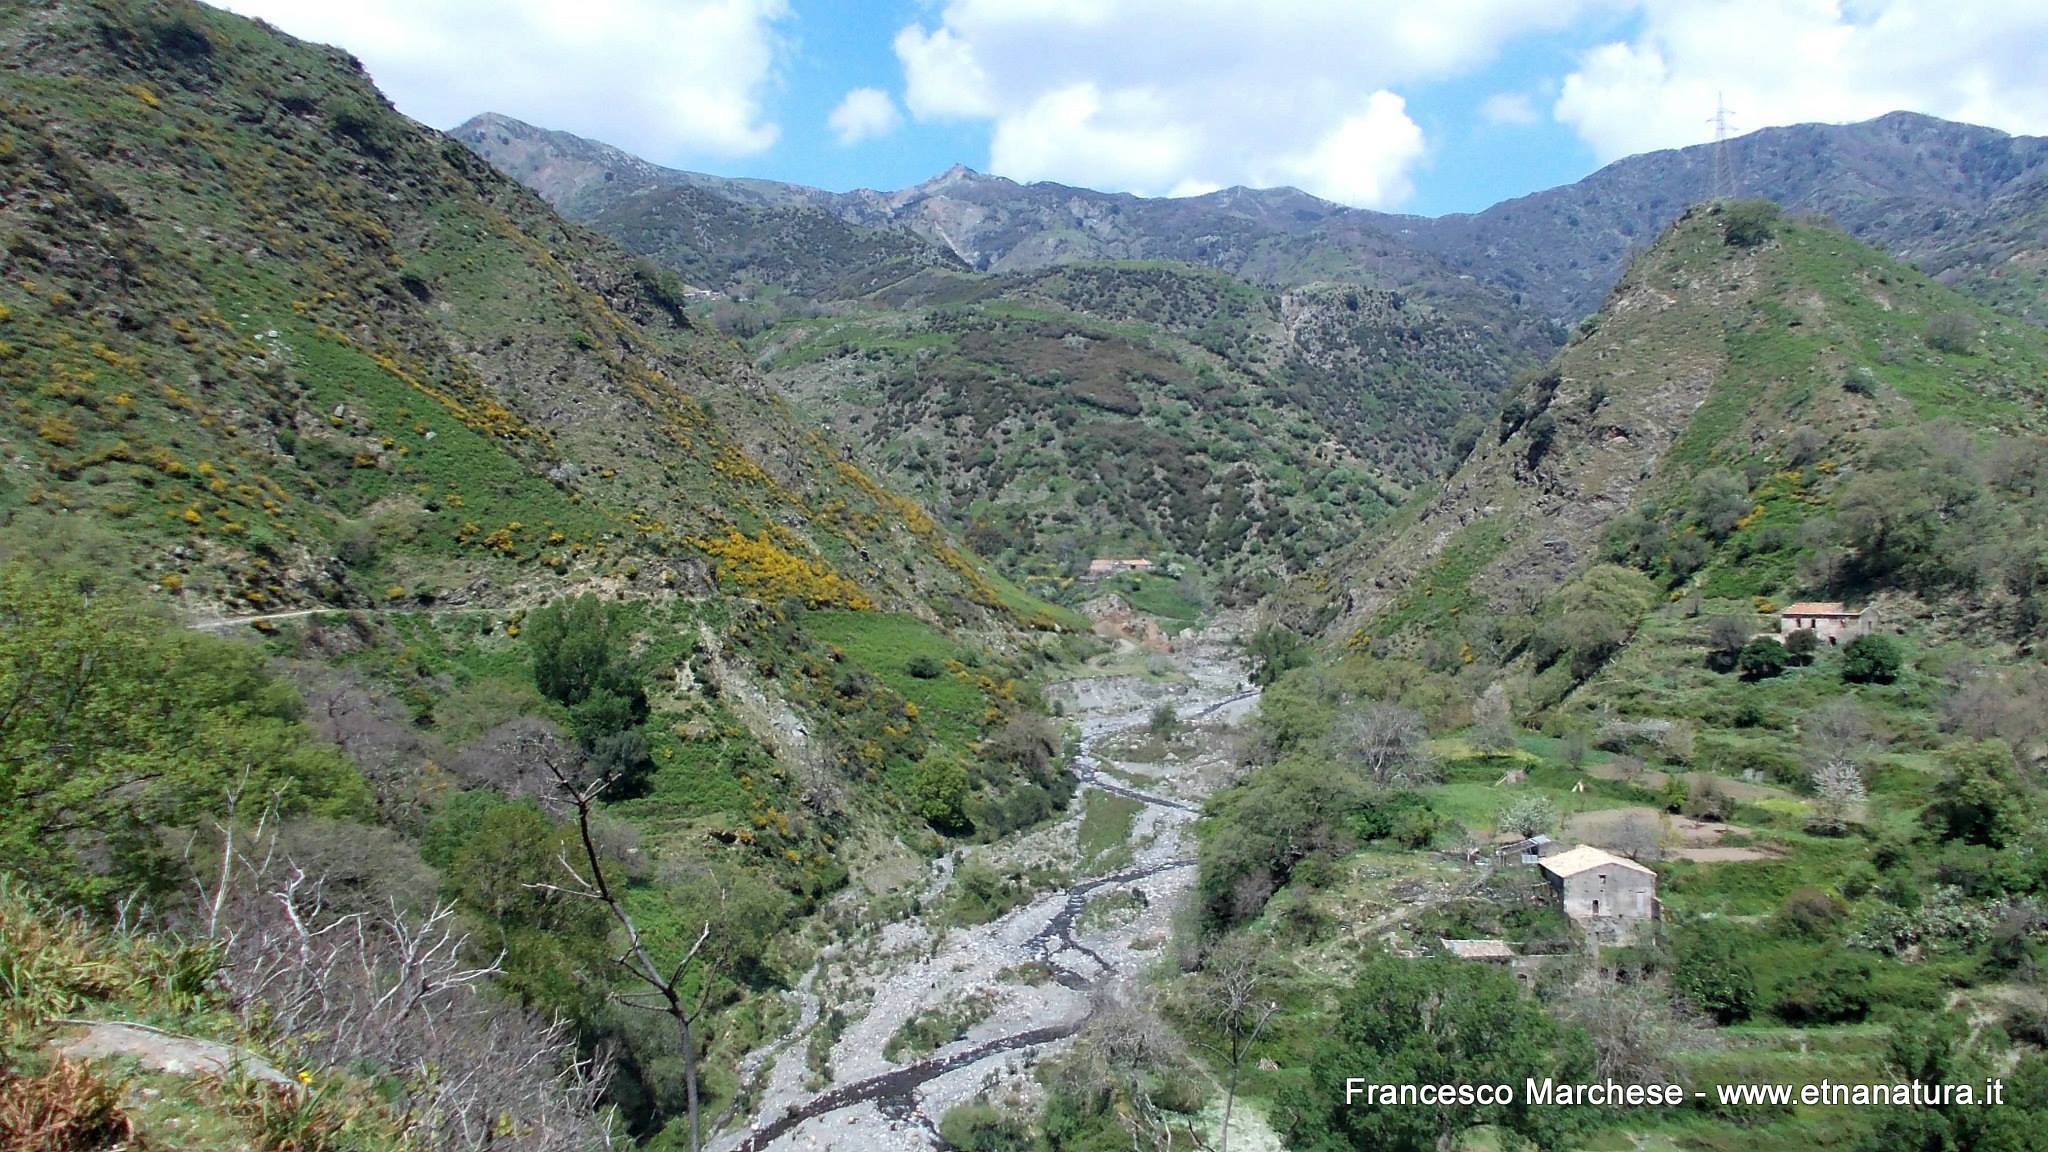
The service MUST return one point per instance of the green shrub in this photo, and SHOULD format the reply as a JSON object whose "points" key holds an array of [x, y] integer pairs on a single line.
{"points": [[979, 1127], [1749, 223], [1836, 989], [1712, 974], [1872, 659], [1952, 332], [1761, 659], [937, 792]]}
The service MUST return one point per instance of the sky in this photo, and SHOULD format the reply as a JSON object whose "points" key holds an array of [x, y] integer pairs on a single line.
{"points": [[1427, 106]]}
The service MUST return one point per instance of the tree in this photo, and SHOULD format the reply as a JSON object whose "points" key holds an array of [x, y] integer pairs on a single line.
{"points": [[681, 991], [580, 660], [1952, 332], [1712, 974], [1387, 743], [1433, 1022], [1837, 788], [1726, 636], [1273, 651], [1527, 815], [114, 724], [1719, 501], [1165, 723], [1493, 723], [1802, 645], [1972, 802], [938, 791], [1761, 659], [1749, 223], [1233, 993], [1871, 659]]}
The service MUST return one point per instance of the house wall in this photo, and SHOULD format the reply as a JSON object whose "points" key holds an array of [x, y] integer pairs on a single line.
{"points": [[1607, 892], [1831, 629]]}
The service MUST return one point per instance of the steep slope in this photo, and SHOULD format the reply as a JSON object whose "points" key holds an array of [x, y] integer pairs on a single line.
{"points": [[716, 234], [1066, 407], [291, 347], [1746, 417], [1099, 409]]}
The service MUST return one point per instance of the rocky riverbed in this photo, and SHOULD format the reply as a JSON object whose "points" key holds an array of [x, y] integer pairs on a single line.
{"points": [[1028, 979]]}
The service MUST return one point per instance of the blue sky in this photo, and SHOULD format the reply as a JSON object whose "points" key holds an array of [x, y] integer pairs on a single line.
{"points": [[1423, 106]]}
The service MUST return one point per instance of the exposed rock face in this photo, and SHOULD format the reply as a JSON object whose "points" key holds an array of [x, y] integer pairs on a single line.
{"points": [[165, 1052]]}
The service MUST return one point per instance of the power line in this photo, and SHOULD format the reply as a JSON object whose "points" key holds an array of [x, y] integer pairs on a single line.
{"points": [[1724, 172]]}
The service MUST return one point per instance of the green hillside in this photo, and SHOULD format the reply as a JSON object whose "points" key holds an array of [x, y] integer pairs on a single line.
{"points": [[292, 348], [1152, 409], [1578, 635]]}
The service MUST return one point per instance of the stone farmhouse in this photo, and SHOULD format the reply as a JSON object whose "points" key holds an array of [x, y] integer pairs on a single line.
{"points": [[1110, 566], [1611, 898], [1830, 620]]}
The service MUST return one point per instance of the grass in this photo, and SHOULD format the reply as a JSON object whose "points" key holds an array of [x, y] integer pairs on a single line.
{"points": [[934, 1028], [952, 703], [1105, 835]]}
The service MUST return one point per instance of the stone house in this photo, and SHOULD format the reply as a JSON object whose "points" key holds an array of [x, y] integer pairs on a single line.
{"points": [[1110, 566], [1610, 897], [1830, 620]]}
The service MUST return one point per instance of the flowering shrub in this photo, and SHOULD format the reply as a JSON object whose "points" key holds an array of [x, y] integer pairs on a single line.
{"points": [[759, 567]]}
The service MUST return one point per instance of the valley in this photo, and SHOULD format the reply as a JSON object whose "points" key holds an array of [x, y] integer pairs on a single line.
{"points": [[517, 647], [1034, 976]]}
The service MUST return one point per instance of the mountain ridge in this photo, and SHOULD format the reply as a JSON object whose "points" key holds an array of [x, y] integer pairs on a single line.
{"points": [[1561, 248]]}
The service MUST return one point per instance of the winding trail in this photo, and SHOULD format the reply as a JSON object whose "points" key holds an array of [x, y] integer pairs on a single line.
{"points": [[895, 1108]]}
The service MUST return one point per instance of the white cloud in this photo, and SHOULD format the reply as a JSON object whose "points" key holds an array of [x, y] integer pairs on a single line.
{"points": [[663, 78], [864, 114], [1508, 108], [1792, 61], [1365, 159], [1159, 96]]}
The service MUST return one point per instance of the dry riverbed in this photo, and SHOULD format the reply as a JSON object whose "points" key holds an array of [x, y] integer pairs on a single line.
{"points": [[1016, 989]]}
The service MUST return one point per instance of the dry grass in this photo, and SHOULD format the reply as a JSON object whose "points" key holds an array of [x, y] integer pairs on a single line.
{"points": [[69, 1108]]}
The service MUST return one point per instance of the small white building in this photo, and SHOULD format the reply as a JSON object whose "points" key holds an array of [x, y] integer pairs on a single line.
{"points": [[1830, 620], [1607, 895], [1488, 951]]}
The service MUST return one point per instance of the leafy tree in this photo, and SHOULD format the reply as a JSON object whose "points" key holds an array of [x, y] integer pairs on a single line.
{"points": [[1972, 802], [1274, 650], [1802, 645], [1165, 722], [1761, 659], [1712, 973], [937, 791], [114, 725], [581, 660], [1434, 1021], [1872, 659], [1749, 223], [1719, 501], [1527, 816], [1953, 332], [1259, 830]]}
